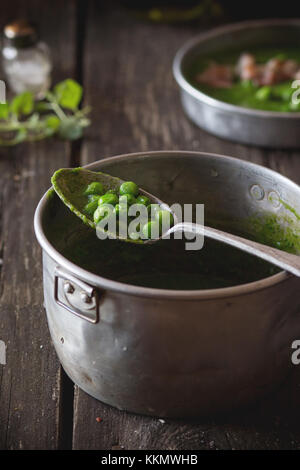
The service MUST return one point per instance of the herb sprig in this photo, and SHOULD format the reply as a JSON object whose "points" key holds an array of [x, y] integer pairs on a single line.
{"points": [[24, 119]]}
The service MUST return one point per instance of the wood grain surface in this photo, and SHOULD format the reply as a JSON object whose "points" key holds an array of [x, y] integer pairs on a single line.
{"points": [[30, 383], [125, 66]]}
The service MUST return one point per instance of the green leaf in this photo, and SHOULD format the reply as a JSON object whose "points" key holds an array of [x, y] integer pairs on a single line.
{"points": [[70, 129], [4, 110], [22, 104], [41, 119], [53, 122], [68, 94]]}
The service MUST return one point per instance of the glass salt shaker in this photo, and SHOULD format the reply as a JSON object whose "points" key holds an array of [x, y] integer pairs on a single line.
{"points": [[26, 61]]}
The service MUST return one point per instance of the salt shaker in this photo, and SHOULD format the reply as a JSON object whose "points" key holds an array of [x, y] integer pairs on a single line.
{"points": [[26, 61]]}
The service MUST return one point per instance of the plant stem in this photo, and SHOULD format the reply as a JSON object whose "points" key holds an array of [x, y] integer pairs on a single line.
{"points": [[59, 112]]}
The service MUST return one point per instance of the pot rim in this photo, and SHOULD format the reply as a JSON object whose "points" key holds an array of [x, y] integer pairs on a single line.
{"points": [[129, 289], [185, 85]]}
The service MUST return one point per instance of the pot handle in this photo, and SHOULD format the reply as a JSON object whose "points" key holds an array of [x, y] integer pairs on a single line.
{"points": [[82, 299]]}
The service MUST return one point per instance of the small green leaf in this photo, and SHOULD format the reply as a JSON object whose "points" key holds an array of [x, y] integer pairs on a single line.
{"points": [[70, 129], [22, 104], [53, 122], [68, 94], [24, 119], [4, 110]]}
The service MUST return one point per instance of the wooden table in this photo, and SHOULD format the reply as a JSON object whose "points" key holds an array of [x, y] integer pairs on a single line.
{"points": [[125, 66]]}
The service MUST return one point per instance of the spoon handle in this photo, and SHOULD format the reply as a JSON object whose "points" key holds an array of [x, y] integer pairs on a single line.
{"points": [[282, 259]]}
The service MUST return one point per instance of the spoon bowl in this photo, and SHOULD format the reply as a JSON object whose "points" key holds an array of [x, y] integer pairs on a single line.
{"points": [[69, 184]]}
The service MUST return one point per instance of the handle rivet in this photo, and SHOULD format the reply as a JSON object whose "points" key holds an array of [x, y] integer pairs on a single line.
{"points": [[68, 288], [76, 293], [85, 298]]}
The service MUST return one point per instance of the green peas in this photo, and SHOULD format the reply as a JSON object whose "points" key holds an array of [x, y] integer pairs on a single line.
{"points": [[120, 209], [93, 197], [128, 187], [283, 91], [143, 200], [287, 94], [165, 218], [116, 202], [112, 191], [117, 209], [151, 229], [134, 230], [127, 199], [152, 209], [108, 198], [91, 207], [102, 211], [264, 93], [94, 188]]}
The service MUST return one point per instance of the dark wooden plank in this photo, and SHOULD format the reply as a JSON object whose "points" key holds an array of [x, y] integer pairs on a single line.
{"points": [[128, 79], [30, 393]]}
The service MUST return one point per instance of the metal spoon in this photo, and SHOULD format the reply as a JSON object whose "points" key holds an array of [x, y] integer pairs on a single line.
{"points": [[69, 183]]}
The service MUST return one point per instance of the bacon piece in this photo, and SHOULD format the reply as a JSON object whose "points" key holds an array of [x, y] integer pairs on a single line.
{"points": [[246, 67], [273, 72], [290, 68], [216, 75], [276, 71]]}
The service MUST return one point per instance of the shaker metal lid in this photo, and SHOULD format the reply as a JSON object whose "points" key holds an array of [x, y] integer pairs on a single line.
{"points": [[20, 33]]}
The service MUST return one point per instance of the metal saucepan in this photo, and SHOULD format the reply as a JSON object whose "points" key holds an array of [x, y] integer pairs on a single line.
{"points": [[165, 352], [249, 126]]}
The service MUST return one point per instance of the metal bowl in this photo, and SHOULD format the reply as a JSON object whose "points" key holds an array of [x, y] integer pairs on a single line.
{"points": [[172, 352], [248, 126]]}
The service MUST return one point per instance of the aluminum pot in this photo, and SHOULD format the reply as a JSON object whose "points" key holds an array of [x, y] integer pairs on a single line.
{"points": [[174, 353], [248, 126]]}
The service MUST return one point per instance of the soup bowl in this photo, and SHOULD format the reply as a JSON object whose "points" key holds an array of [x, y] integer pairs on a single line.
{"points": [[174, 353], [237, 123]]}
